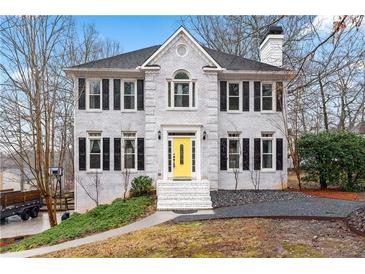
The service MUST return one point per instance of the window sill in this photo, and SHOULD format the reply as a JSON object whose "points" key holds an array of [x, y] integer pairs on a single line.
{"points": [[94, 110], [181, 109], [128, 110], [235, 111], [267, 111], [268, 170], [98, 171]]}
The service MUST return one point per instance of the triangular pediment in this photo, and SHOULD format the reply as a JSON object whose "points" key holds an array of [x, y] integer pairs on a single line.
{"points": [[178, 35]]}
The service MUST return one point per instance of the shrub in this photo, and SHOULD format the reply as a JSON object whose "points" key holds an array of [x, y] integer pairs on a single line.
{"points": [[141, 185], [333, 158]]}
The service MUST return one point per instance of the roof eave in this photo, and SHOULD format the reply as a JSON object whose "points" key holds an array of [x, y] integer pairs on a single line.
{"points": [[73, 70]]}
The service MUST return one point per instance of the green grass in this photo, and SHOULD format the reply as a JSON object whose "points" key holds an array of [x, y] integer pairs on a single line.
{"points": [[103, 217]]}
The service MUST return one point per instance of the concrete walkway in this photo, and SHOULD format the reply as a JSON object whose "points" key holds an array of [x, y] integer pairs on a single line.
{"points": [[154, 219], [311, 207]]}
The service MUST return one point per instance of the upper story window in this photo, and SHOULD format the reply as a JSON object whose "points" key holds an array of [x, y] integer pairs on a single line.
{"points": [[129, 96], [95, 150], [267, 97], [94, 94], [181, 91], [233, 96]]}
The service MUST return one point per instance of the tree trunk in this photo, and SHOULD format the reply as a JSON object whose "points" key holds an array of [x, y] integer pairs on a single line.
{"points": [[323, 102], [51, 213], [322, 182]]}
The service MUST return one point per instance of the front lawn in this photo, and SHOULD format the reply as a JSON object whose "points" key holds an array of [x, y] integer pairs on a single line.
{"points": [[230, 238], [101, 218]]}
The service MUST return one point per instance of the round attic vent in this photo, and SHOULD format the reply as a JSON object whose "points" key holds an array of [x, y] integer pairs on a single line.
{"points": [[181, 50]]}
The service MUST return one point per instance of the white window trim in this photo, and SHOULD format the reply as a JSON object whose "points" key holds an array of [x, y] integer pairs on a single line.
{"points": [[122, 95], [135, 150], [239, 110], [273, 106], [273, 153], [88, 169], [172, 92], [88, 81], [238, 138]]}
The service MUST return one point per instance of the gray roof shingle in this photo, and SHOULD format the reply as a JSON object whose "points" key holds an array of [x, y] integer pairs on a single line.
{"points": [[133, 59]]}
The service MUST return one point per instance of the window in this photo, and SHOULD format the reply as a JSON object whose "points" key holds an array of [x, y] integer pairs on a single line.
{"points": [[233, 96], [267, 96], [181, 94], [95, 151], [233, 151], [169, 156], [181, 154], [181, 91], [193, 155], [267, 150], [130, 98], [94, 94], [129, 149]]}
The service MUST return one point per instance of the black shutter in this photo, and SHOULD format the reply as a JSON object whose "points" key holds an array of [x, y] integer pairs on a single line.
{"points": [[140, 153], [246, 96], [106, 154], [82, 95], [279, 154], [279, 96], [82, 153], [223, 153], [140, 95], [116, 94], [246, 154], [223, 95], [257, 154], [257, 96], [105, 94], [117, 154]]}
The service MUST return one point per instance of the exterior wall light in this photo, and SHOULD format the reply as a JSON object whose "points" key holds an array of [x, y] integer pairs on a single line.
{"points": [[159, 134], [204, 135]]}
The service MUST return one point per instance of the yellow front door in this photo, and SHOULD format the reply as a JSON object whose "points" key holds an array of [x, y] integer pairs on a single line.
{"points": [[181, 157]]}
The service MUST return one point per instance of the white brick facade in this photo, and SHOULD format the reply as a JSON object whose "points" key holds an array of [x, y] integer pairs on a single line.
{"points": [[207, 117]]}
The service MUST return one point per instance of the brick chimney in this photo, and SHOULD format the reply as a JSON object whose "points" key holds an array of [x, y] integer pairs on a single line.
{"points": [[271, 46]]}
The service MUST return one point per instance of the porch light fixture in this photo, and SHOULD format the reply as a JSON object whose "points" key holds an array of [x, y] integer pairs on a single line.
{"points": [[204, 135], [159, 134]]}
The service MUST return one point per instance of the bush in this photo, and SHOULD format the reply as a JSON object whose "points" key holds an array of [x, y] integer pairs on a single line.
{"points": [[141, 185], [336, 158]]}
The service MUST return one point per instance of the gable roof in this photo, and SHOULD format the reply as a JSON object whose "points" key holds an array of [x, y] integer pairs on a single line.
{"points": [[128, 60], [141, 58]]}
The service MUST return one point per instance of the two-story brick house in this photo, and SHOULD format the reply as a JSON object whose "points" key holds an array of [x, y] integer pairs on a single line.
{"points": [[188, 116]]}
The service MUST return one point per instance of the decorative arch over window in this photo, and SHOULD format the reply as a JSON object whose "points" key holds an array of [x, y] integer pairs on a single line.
{"points": [[181, 91]]}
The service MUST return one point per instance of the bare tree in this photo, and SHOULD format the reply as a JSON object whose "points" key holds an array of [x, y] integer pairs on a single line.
{"points": [[255, 179], [36, 97], [91, 187], [125, 183]]}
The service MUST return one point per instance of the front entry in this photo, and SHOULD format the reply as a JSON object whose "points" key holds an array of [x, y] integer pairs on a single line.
{"points": [[181, 157]]}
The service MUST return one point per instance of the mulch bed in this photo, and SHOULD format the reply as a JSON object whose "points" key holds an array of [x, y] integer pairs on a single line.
{"points": [[330, 193], [356, 221], [225, 198]]}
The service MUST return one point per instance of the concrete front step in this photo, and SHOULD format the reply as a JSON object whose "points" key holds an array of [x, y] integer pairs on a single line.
{"points": [[183, 195]]}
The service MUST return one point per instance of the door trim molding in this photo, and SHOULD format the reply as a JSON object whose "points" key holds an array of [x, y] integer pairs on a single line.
{"points": [[181, 128]]}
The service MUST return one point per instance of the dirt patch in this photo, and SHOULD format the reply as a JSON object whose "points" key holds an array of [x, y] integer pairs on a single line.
{"points": [[330, 193], [356, 221], [230, 238]]}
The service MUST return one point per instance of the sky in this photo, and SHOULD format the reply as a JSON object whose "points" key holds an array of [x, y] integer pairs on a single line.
{"points": [[133, 32]]}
